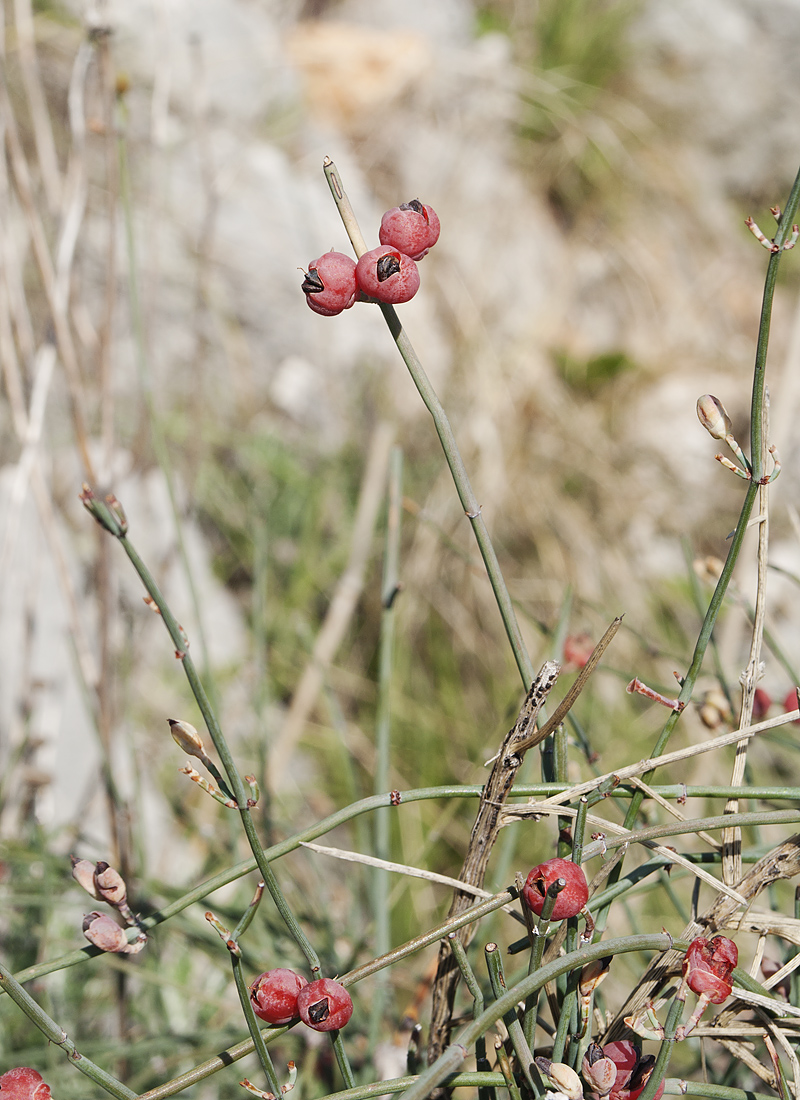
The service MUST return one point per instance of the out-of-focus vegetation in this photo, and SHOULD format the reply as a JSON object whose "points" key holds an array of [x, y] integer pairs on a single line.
{"points": [[574, 494]]}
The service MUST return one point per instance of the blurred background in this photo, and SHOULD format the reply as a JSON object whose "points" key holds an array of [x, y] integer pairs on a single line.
{"points": [[592, 163]]}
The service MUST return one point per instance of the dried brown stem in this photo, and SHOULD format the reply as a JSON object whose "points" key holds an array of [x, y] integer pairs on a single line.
{"points": [[484, 834]]}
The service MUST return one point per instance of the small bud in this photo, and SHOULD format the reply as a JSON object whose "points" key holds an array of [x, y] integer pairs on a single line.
{"points": [[563, 1077], [83, 873], [712, 415], [105, 933], [186, 737], [110, 884], [593, 974]]}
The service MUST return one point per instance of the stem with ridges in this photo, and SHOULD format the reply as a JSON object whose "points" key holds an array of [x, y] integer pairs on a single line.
{"points": [[469, 501], [54, 1034]]}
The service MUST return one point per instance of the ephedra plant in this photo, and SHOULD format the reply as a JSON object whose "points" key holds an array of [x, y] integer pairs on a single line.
{"points": [[528, 1018]]}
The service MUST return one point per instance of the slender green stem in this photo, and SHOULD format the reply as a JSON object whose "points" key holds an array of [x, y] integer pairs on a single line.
{"points": [[530, 1071], [674, 1086], [253, 1026], [341, 1057], [382, 844], [678, 828], [244, 993], [111, 519], [664, 1051], [508, 1073], [469, 501], [54, 1034], [756, 460], [537, 937], [473, 985]]}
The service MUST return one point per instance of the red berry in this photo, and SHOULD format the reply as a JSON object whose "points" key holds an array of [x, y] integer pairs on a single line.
{"points": [[273, 995], [23, 1083], [578, 649], [412, 227], [387, 274], [571, 899], [330, 284], [790, 704], [324, 1005], [762, 701]]}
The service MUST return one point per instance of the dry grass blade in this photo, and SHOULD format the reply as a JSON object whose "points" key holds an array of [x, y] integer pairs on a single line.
{"points": [[566, 704]]}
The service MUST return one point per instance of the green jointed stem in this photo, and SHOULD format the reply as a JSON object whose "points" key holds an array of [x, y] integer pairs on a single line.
{"points": [[342, 1059], [756, 460], [365, 805], [254, 1028], [469, 501], [473, 985], [389, 593], [110, 519], [454, 1055], [664, 1051], [525, 1062], [54, 1034]]}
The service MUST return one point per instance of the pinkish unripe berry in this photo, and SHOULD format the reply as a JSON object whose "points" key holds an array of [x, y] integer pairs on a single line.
{"points": [[273, 995], [571, 899], [330, 284], [23, 1083], [388, 275], [412, 227], [324, 1005]]}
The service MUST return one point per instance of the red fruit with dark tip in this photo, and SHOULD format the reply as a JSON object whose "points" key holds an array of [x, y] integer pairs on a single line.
{"points": [[388, 275], [23, 1083], [330, 284], [708, 967], [412, 227], [273, 995], [571, 899], [324, 1005]]}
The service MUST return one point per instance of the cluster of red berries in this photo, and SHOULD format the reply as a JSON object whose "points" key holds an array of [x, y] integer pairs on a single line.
{"points": [[386, 274], [280, 996]]}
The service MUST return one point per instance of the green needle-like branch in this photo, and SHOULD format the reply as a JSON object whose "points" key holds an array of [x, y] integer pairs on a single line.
{"points": [[466, 495], [54, 1034]]}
